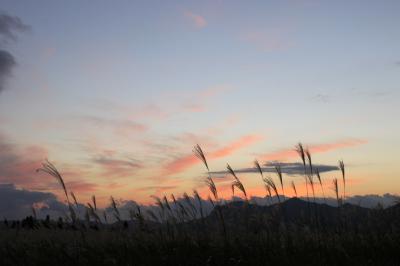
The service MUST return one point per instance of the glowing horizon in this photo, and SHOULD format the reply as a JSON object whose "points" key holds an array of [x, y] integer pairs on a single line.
{"points": [[117, 95]]}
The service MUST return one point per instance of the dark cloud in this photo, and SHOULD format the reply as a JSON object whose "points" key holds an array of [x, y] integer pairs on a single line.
{"points": [[7, 63], [17, 203], [9, 27], [287, 168]]}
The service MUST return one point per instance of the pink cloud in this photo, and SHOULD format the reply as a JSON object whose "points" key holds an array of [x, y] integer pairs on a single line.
{"points": [[18, 164], [314, 148], [197, 20], [182, 163], [236, 145], [81, 186]]}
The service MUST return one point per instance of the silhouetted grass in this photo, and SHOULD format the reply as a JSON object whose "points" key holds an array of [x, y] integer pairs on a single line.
{"points": [[179, 232]]}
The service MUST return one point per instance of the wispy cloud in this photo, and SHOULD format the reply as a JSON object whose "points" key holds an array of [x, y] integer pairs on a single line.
{"points": [[18, 164], [156, 189], [314, 148], [120, 126], [182, 163], [197, 20], [117, 167]]}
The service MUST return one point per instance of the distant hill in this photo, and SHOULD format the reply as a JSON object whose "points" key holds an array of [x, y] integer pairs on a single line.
{"points": [[240, 215]]}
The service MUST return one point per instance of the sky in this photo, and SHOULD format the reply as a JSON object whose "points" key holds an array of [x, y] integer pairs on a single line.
{"points": [[117, 93]]}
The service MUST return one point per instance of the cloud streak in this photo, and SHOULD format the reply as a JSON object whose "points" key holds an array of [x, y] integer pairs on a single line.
{"points": [[123, 127], [287, 168], [314, 148]]}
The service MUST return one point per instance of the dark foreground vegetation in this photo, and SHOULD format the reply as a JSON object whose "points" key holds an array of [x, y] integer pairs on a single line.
{"points": [[294, 232], [290, 232]]}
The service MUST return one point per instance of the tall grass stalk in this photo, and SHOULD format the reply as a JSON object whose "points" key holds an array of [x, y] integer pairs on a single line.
{"points": [[49, 168], [342, 169], [310, 175], [336, 190], [268, 182], [294, 188], [278, 170], [271, 184], [117, 214], [192, 207], [94, 202], [199, 202], [300, 151], [211, 185], [236, 183], [320, 182]]}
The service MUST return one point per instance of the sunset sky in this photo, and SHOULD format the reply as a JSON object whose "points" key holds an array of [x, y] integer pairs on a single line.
{"points": [[117, 93]]}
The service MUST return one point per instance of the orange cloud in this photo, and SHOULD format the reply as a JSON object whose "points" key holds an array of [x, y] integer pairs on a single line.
{"points": [[316, 148], [240, 143], [197, 20], [184, 162]]}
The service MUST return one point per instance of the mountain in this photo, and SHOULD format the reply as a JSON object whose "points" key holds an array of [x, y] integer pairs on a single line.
{"points": [[298, 213]]}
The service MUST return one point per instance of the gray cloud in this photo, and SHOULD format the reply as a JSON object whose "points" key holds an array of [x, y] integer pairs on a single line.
{"points": [[17, 203], [287, 168], [9, 27], [7, 63], [116, 165], [120, 163]]}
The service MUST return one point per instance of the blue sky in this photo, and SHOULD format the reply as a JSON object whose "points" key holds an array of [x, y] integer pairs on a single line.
{"points": [[101, 87]]}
